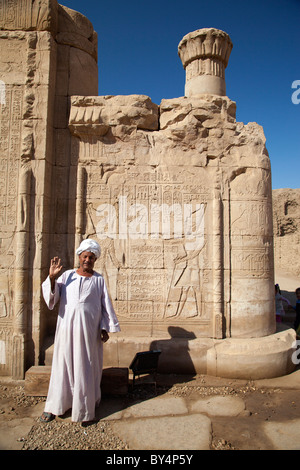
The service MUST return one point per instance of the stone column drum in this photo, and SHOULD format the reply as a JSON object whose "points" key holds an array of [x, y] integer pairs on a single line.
{"points": [[205, 54]]}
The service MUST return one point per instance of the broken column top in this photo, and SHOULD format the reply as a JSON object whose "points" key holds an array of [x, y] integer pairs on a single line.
{"points": [[204, 54]]}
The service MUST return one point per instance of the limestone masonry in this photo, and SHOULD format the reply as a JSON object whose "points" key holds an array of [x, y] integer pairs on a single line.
{"points": [[286, 222], [178, 195]]}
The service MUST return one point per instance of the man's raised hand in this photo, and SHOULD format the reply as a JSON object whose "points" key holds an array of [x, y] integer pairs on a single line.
{"points": [[55, 267]]}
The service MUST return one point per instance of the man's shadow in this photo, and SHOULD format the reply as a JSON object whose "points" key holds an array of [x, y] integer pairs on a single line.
{"points": [[175, 366], [175, 357]]}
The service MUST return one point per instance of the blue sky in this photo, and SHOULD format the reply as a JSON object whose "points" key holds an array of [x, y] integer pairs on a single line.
{"points": [[137, 44]]}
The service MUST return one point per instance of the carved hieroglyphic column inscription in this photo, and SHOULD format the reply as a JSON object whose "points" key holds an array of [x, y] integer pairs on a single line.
{"points": [[15, 198], [80, 207], [218, 267], [21, 294], [252, 263], [10, 142]]}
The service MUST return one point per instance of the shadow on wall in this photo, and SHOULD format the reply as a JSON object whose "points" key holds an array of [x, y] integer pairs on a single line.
{"points": [[175, 357]]}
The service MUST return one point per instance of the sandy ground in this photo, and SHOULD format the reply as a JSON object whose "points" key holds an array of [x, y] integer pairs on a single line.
{"points": [[242, 415]]}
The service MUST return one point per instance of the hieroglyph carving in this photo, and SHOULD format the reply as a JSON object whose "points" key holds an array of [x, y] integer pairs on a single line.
{"points": [[183, 211], [151, 242], [10, 144]]}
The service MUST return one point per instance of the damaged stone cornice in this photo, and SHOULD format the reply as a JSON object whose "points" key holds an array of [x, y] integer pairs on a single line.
{"points": [[97, 114]]}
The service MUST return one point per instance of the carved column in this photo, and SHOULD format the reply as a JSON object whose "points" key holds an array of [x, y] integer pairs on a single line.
{"points": [[80, 209], [218, 263], [204, 55], [21, 273]]}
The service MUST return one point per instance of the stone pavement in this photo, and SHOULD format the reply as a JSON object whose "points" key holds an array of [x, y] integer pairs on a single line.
{"points": [[187, 423], [192, 421]]}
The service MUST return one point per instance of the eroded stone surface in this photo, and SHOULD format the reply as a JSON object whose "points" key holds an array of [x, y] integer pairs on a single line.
{"points": [[141, 436], [179, 211], [286, 220]]}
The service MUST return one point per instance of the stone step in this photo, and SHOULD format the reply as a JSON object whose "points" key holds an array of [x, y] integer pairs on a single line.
{"points": [[114, 381], [37, 381]]}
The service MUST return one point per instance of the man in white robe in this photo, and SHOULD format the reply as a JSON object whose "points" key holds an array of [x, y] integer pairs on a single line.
{"points": [[85, 318]]}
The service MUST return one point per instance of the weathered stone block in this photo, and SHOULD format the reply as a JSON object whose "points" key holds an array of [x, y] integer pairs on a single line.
{"points": [[114, 381], [37, 381]]}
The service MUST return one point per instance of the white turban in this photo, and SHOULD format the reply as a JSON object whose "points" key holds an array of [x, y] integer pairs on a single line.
{"points": [[89, 245]]}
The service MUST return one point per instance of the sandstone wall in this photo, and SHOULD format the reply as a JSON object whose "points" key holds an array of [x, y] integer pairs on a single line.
{"points": [[47, 53], [137, 161], [286, 222]]}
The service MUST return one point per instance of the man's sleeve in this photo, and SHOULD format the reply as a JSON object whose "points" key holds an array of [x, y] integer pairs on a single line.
{"points": [[51, 298], [109, 320]]}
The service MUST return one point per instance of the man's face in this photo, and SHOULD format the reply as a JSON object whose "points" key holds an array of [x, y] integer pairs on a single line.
{"points": [[87, 261]]}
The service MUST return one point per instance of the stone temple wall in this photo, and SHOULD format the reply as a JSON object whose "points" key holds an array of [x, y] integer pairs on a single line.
{"points": [[180, 198], [178, 194], [286, 221]]}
